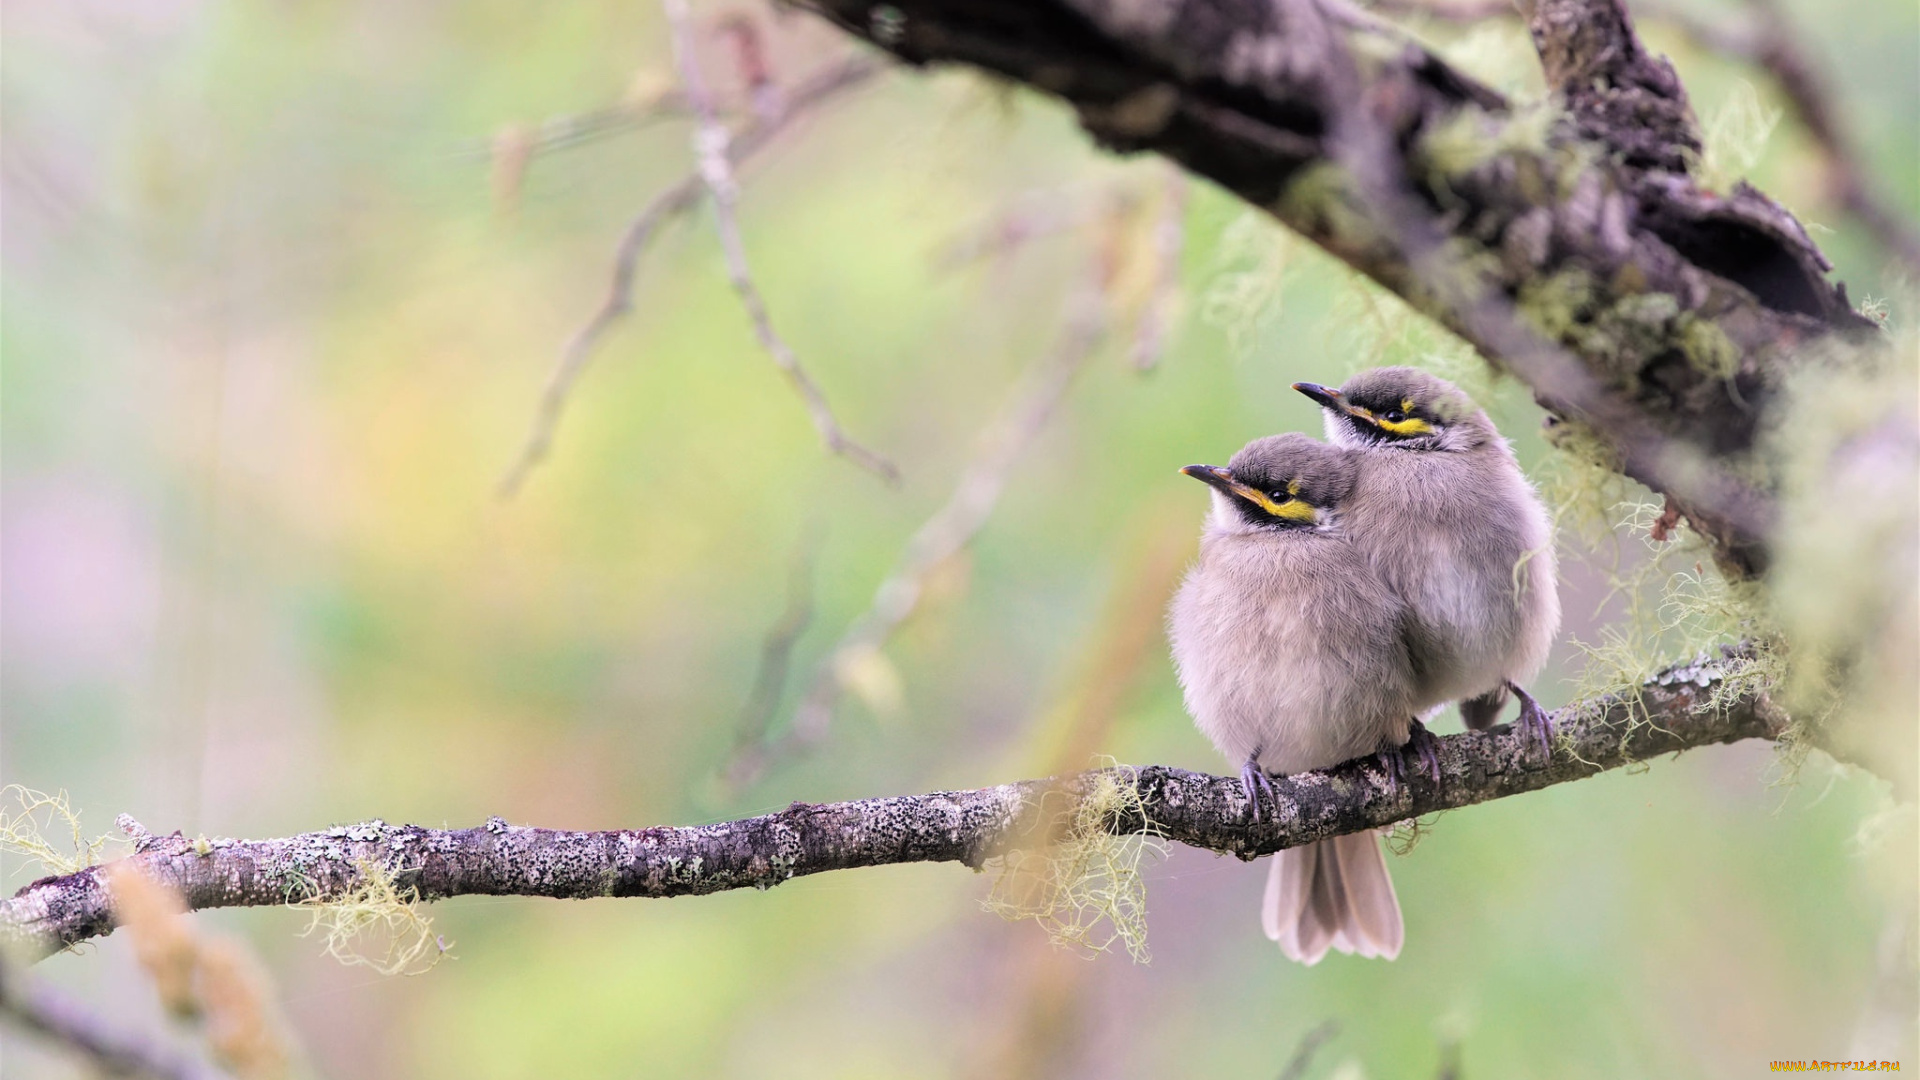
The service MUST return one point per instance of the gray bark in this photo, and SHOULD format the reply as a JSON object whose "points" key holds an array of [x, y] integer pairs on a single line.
{"points": [[968, 827]]}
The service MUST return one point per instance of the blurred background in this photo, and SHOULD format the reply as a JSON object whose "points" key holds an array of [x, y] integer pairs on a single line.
{"points": [[283, 286]]}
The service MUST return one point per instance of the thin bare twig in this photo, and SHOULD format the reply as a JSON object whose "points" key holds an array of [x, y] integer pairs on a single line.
{"points": [[646, 101], [955, 524], [1169, 244], [1310, 1044], [571, 129], [69, 1024], [1030, 218], [673, 201], [711, 143], [750, 60], [512, 148], [776, 653], [960, 519]]}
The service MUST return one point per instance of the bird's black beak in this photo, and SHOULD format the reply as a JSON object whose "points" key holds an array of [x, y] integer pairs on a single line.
{"points": [[1222, 481], [1329, 398], [1212, 476]]}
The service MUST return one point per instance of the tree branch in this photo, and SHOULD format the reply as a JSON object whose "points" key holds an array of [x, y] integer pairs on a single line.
{"points": [[1667, 715], [1687, 304]]}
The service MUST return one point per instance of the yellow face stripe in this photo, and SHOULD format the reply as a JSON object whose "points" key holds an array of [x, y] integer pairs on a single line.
{"points": [[1412, 425], [1292, 509], [1260, 499]]}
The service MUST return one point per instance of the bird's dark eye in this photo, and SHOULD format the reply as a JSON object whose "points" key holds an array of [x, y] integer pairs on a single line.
{"points": [[1281, 496], [1393, 416]]}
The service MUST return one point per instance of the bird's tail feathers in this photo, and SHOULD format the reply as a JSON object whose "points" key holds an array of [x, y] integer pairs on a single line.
{"points": [[1333, 894], [1480, 713]]}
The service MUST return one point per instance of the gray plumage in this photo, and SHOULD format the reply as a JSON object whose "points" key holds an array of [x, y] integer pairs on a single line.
{"points": [[1445, 516], [1291, 653]]}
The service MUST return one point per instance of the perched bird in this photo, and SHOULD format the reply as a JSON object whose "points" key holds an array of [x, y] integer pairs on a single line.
{"points": [[1449, 522], [1291, 651]]}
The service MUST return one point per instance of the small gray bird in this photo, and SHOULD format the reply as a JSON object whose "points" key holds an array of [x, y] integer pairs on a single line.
{"points": [[1292, 654], [1450, 523]]}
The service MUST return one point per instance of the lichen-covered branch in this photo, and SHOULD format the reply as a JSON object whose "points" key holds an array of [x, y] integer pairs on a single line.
{"points": [[1669, 714], [1581, 215]]}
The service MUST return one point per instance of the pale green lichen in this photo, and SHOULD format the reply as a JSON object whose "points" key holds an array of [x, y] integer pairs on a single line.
{"points": [[1735, 137], [1498, 52], [1842, 584], [1250, 268], [378, 924], [1557, 303], [24, 831], [1581, 484], [1377, 328], [1085, 888], [1830, 636], [1677, 606], [1627, 332], [1320, 202], [1673, 603], [1466, 269], [1708, 348], [1472, 137]]}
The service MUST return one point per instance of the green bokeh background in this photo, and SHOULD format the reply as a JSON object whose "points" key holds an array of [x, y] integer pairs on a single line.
{"points": [[270, 340]]}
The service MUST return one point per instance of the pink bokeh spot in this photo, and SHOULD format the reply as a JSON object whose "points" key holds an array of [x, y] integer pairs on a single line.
{"points": [[79, 580]]}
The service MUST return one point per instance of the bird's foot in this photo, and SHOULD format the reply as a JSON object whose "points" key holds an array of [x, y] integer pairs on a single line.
{"points": [[1535, 723], [1425, 746], [1395, 768], [1256, 782]]}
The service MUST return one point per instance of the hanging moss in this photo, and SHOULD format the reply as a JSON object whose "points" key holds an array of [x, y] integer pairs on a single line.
{"points": [[1085, 889], [378, 925]]}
